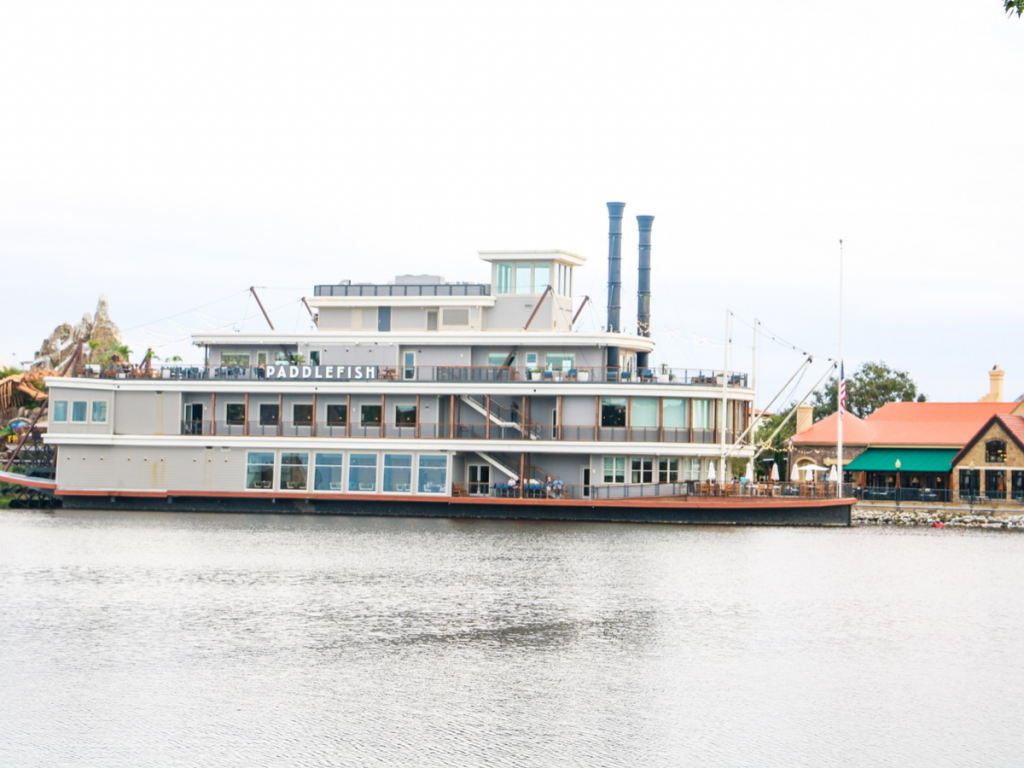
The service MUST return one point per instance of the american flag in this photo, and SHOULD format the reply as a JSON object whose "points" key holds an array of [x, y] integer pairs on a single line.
{"points": [[842, 389]]}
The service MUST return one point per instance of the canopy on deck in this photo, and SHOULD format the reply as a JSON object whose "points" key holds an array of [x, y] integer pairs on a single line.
{"points": [[911, 460]]}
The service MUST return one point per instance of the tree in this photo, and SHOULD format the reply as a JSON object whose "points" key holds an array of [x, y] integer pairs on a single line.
{"points": [[867, 390], [1014, 5], [778, 448]]}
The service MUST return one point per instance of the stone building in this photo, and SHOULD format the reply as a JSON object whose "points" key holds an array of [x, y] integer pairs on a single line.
{"points": [[991, 464]]}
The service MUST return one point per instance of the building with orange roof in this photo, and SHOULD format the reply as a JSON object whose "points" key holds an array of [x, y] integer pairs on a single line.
{"points": [[991, 464], [923, 437]]}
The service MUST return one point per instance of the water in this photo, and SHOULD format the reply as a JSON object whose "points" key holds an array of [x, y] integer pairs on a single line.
{"points": [[132, 639]]}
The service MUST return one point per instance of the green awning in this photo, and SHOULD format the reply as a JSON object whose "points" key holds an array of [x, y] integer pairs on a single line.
{"points": [[911, 460]]}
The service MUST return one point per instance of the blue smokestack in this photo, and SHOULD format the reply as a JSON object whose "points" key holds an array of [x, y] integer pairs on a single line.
{"points": [[614, 275], [643, 296]]}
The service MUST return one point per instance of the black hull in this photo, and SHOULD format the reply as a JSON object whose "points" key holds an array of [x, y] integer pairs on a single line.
{"points": [[794, 514]]}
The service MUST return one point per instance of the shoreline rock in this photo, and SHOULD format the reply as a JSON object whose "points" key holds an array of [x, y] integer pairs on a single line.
{"points": [[928, 517]]}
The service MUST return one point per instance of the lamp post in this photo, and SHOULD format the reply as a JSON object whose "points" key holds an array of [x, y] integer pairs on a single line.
{"points": [[898, 465], [972, 490]]}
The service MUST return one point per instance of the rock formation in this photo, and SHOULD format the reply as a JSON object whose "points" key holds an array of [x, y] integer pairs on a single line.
{"points": [[60, 344]]}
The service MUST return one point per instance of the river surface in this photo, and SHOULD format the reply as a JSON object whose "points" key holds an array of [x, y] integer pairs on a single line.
{"points": [[135, 639]]}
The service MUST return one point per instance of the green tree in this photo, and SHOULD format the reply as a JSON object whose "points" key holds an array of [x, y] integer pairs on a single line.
{"points": [[867, 390], [778, 449], [1014, 6]]}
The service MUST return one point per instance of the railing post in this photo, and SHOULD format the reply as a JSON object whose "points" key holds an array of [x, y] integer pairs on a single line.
{"points": [[213, 413], [245, 425]]}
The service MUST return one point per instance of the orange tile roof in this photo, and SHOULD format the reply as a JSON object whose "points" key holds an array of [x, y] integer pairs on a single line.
{"points": [[1014, 425], [947, 424]]}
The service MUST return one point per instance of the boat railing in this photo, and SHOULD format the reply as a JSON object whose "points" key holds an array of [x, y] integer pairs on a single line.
{"points": [[499, 374], [447, 430]]}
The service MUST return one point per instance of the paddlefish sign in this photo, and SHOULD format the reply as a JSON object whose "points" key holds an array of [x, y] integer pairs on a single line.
{"points": [[322, 372]]}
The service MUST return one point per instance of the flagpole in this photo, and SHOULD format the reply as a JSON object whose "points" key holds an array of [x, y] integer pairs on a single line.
{"points": [[841, 389]]}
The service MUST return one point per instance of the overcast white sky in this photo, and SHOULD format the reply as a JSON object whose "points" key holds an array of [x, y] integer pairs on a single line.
{"points": [[171, 156]]}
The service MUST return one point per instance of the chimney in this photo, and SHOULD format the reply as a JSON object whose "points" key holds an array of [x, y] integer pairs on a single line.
{"points": [[804, 418], [643, 296], [614, 275], [995, 386]]}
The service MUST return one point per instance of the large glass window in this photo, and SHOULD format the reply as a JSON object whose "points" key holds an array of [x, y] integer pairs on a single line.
{"points": [[294, 471], [370, 415], [641, 470], [433, 474], [302, 414], [613, 411], [691, 469], [614, 469], [362, 472], [668, 470], [676, 413], [235, 358], [504, 272], [702, 411], [644, 412], [269, 414], [235, 413], [260, 471], [563, 360], [99, 412], [327, 472], [995, 451], [524, 283], [409, 372], [405, 415], [541, 276], [79, 410], [397, 473], [494, 359], [60, 411], [337, 414]]}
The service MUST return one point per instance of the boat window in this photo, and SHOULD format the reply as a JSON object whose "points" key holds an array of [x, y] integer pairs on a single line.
{"points": [[691, 469], [370, 415], [405, 415], [541, 276], [668, 470], [78, 410], [613, 411], [523, 277], [60, 410], [641, 470], [337, 414], [675, 413], [495, 359], [614, 469], [562, 360], [327, 472], [397, 473], [235, 358], [235, 413], [314, 357], [644, 412], [433, 474], [294, 471], [281, 357], [362, 472], [302, 414], [99, 412], [432, 319], [270, 414], [504, 275], [260, 470], [409, 372]]}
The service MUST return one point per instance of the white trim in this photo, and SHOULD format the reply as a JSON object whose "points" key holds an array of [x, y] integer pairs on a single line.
{"points": [[625, 341], [370, 444], [565, 257]]}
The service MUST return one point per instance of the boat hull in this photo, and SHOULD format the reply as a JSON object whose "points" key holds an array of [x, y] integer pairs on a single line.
{"points": [[691, 510]]}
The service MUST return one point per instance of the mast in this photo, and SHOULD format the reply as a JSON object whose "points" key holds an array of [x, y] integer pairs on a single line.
{"points": [[841, 386], [723, 417]]}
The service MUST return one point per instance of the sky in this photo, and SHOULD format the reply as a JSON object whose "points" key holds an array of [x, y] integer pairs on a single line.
{"points": [[172, 155]]}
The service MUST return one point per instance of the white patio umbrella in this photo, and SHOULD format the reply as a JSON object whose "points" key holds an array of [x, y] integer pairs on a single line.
{"points": [[712, 474], [795, 475], [750, 471], [833, 474], [775, 472]]}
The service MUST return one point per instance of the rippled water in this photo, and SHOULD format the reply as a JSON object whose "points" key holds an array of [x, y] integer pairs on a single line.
{"points": [[134, 639]]}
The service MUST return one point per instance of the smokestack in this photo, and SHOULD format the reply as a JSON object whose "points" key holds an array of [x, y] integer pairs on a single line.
{"points": [[643, 295], [614, 275]]}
